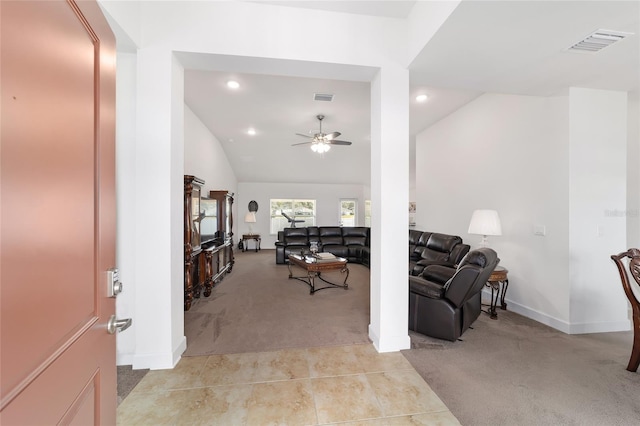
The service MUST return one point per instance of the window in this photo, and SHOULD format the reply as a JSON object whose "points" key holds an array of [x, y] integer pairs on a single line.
{"points": [[367, 213], [348, 211], [296, 209]]}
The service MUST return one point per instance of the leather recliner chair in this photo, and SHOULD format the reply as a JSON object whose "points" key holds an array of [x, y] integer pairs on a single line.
{"points": [[445, 311]]}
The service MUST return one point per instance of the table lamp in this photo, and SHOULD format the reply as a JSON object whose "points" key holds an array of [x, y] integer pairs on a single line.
{"points": [[250, 218], [485, 222]]}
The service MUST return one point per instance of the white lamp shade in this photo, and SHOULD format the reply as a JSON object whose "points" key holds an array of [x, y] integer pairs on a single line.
{"points": [[485, 222], [250, 217]]}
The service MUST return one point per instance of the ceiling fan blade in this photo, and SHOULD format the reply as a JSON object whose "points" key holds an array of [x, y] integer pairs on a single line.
{"points": [[304, 136], [333, 135], [337, 142], [301, 143]]}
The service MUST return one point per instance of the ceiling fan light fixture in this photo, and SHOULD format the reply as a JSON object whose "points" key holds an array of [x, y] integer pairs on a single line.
{"points": [[320, 147]]}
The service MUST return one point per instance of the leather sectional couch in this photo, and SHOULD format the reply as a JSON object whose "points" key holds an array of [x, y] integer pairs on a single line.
{"points": [[445, 278], [350, 242]]}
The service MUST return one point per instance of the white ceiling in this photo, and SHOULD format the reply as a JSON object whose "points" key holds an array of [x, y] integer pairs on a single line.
{"points": [[515, 47]]}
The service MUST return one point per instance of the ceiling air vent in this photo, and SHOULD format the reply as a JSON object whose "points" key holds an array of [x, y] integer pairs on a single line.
{"points": [[322, 97], [597, 41]]}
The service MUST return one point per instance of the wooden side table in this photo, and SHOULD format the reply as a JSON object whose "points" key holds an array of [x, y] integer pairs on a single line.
{"points": [[247, 237], [499, 283]]}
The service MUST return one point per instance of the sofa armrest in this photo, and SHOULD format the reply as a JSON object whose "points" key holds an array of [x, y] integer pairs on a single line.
{"points": [[438, 273], [425, 263], [425, 288]]}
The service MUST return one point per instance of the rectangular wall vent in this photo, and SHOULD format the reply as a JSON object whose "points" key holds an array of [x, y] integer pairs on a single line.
{"points": [[322, 97], [597, 41]]}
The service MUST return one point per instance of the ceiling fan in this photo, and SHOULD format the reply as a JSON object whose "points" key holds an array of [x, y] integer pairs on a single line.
{"points": [[321, 142]]}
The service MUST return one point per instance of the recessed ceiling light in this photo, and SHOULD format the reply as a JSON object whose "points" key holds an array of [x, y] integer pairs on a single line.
{"points": [[232, 84], [422, 98], [251, 131]]}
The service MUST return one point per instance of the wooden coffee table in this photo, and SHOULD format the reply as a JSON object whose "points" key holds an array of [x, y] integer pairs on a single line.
{"points": [[315, 267]]}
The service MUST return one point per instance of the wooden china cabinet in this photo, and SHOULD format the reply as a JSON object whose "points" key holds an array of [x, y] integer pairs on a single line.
{"points": [[224, 236], [192, 246], [208, 243]]}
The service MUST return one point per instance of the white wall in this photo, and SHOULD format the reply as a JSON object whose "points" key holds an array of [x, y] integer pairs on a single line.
{"points": [[537, 161], [327, 204], [507, 153], [597, 186], [204, 157]]}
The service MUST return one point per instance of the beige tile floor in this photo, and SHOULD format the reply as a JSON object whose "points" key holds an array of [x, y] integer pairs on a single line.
{"points": [[347, 385]]}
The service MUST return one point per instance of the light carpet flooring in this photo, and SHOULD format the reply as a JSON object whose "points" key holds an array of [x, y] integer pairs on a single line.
{"points": [[347, 385]]}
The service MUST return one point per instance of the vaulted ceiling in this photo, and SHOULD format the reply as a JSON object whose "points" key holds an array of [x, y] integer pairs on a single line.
{"points": [[515, 47]]}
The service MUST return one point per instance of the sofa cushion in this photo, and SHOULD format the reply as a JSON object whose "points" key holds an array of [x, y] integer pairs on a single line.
{"points": [[355, 231], [416, 252], [297, 241], [424, 238], [330, 231], [331, 240], [294, 232], [439, 246], [295, 236], [354, 241], [442, 242], [434, 256], [414, 237], [336, 249], [355, 252], [313, 233]]}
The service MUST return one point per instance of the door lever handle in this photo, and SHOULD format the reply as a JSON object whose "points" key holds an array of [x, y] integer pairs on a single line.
{"points": [[115, 324]]}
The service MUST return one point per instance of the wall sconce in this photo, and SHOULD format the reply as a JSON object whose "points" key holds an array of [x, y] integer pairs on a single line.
{"points": [[485, 222]]}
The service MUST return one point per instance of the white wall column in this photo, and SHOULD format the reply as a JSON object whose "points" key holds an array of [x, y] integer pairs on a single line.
{"points": [[389, 209], [157, 321], [633, 172], [126, 201]]}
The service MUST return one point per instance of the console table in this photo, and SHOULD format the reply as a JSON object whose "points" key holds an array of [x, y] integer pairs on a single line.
{"points": [[247, 237], [499, 283]]}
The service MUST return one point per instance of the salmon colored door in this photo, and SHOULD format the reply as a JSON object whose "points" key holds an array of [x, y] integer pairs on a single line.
{"points": [[57, 183]]}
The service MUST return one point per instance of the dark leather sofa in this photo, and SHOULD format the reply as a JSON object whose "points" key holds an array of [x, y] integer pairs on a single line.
{"points": [[431, 248], [350, 242], [444, 302]]}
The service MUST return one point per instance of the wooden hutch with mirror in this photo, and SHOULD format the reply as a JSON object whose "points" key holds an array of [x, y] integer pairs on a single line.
{"points": [[208, 244]]}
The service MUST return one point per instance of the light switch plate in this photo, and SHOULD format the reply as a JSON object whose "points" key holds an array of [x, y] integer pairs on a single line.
{"points": [[539, 230]]}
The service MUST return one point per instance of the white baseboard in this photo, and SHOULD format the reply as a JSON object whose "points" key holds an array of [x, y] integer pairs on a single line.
{"points": [[159, 361], [600, 327], [564, 326], [391, 343], [535, 315]]}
